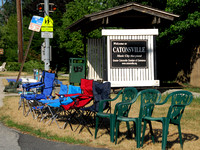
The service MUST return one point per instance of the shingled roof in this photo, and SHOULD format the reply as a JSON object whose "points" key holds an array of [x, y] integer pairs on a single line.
{"points": [[131, 15]]}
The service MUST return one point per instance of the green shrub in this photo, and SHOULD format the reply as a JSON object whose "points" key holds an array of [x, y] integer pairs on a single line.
{"points": [[28, 66], [64, 69], [13, 66]]}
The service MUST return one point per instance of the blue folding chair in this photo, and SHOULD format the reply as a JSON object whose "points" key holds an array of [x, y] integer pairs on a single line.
{"points": [[54, 109], [41, 108], [45, 87]]}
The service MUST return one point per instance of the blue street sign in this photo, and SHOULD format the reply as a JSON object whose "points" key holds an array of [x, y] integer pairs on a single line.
{"points": [[37, 20]]}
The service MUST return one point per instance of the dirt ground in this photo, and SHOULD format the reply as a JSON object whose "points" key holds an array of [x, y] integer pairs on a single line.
{"points": [[189, 125], [190, 128]]}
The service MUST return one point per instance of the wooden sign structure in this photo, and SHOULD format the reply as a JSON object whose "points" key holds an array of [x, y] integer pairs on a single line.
{"points": [[130, 58]]}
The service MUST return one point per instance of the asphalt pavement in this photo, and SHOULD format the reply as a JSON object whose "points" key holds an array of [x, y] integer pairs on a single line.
{"points": [[11, 139]]}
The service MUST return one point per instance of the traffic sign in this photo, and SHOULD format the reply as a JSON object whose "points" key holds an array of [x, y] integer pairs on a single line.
{"points": [[47, 25], [36, 23], [46, 34]]}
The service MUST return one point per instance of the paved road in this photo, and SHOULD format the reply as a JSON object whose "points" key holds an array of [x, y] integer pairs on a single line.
{"points": [[11, 139]]}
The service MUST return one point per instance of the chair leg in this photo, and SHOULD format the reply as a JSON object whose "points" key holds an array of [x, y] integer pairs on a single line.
{"points": [[165, 133], [71, 115], [24, 107], [84, 123], [29, 109], [117, 131], [138, 132], [20, 103], [180, 135], [96, 127], [151, 131], [112, 128], [143, 132], [128, 128], [54, 116]]}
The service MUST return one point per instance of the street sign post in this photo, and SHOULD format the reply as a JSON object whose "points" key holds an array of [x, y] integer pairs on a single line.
{"points": [[48, 23]]}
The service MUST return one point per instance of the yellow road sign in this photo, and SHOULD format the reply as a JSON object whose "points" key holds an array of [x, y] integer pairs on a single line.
{"points": [[47, 24]]}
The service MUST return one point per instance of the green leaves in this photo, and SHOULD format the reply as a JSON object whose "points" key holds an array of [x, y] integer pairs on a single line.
{"points": [[180, 28]]}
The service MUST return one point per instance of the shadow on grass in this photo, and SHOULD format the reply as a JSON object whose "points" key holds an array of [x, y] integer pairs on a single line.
{"points": [[187, 137]]}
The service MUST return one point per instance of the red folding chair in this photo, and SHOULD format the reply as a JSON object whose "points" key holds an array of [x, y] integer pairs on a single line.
{"points": [[73, 109]]}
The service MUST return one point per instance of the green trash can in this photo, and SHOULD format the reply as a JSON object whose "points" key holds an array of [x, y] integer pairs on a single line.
{"points": [[76, 70]]}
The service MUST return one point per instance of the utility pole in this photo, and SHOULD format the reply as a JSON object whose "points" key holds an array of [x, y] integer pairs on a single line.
{"points": [[19, 29], [47, 41]]}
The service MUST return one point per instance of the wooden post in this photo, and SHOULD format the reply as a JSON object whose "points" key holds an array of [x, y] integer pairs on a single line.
{"points": [[26, 53], [85, 42], [19, 29]]}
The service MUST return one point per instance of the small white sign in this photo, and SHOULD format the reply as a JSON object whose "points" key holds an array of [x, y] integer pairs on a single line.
{"points": [[47, 34]]}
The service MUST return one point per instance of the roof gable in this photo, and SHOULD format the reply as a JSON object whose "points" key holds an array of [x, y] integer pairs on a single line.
{"points": [[130, 15]]}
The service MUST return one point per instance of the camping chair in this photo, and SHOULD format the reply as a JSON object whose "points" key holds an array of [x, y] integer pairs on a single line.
{"points": [[101, 91], [74, 109], [46, 88], [148, 99], [3, 67], [127, 95], [27, 90], [179, 100], [54, 106], [42, 108]]}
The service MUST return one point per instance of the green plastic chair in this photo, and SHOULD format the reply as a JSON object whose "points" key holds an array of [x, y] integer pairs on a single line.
{"points": [[128, 94], [179, 100], [148, 99]]}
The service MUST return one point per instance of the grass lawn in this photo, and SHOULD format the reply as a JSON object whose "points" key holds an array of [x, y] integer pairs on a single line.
{"points": [[13, 117]]}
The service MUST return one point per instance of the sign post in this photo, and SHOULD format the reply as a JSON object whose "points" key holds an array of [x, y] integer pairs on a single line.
{"points": [[35, 25], [48, 23]]}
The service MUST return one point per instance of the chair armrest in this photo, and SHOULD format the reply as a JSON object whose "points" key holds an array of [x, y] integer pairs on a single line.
{"points": [[28, 85], [101, 102], [31, 86], [69, 95], [161, 103], [123, 103], [171, 109], [119, 106], [176, 105], [126, 103]]}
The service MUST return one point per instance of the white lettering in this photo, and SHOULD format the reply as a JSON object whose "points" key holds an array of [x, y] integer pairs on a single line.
{"points": [[128, 49]]}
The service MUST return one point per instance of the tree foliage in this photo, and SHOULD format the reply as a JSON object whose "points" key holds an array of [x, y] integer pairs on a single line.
{"points": [[175, 38], [189, 20]]}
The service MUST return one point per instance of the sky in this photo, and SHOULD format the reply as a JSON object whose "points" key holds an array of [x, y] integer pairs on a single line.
{"points": [[1, 2]]}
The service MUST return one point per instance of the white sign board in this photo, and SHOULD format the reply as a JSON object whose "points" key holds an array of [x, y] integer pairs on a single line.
{"points": [[46, 34], [36, 23]]}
